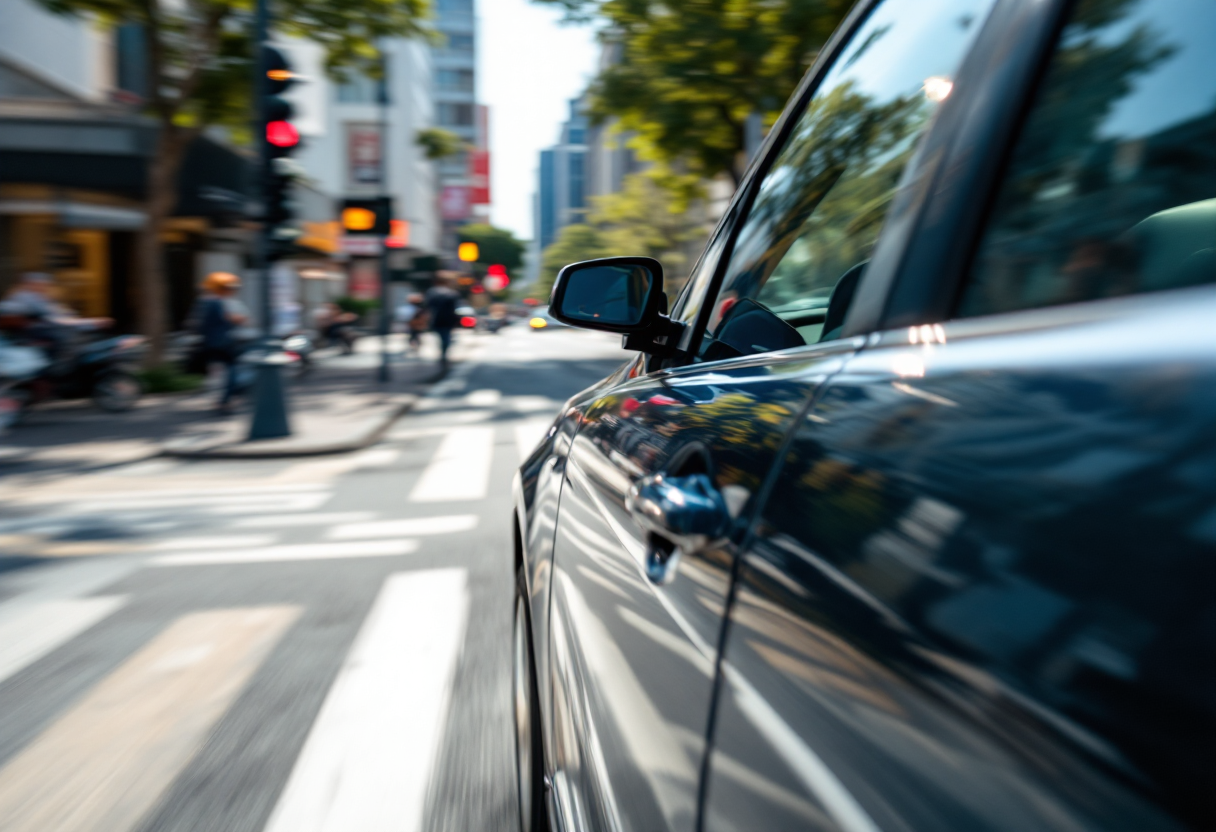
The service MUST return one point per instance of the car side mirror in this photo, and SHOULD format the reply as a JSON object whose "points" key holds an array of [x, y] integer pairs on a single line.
{"points": [[616, 294]]}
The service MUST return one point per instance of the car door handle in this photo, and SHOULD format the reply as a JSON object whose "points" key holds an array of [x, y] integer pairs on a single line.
{"points": [[681, 515]]}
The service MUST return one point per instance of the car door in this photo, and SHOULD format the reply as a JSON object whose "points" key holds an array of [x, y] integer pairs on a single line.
{"points": [[982, 593], [635, 623]]}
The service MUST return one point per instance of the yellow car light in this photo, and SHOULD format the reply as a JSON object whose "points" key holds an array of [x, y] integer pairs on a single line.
{"points": [[538, 323]]}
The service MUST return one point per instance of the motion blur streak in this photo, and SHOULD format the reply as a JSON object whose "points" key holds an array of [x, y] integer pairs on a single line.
{"points": [[105, 763]]}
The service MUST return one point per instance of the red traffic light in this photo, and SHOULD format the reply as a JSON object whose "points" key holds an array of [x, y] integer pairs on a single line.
{"points": [[282, 134]]}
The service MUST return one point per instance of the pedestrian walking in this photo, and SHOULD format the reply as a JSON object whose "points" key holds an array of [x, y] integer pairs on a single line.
{"points": [[418, 322], [220, 318], [441, 303]]}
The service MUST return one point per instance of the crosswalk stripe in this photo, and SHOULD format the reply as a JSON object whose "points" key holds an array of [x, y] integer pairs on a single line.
{"points": [[460, 469], [366, 761], [36, 630], [487, 397], [217, 501], [300, 502], [235, 541], [528, 435], [107, 761], [404, 528], [290, 551], [323, 518]]}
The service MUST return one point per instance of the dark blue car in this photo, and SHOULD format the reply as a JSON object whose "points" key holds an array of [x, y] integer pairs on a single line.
{"points": [[903, 517]]}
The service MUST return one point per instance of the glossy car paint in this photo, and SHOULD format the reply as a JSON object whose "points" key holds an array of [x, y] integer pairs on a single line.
{"points": [[839, 706], [981, 594], [633, 662]]}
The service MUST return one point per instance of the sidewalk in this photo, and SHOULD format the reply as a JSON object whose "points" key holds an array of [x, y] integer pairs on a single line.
{"points": [[337, 407]]}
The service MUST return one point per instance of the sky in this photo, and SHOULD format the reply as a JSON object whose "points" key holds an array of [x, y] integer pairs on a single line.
{"points": [[529, 66]]}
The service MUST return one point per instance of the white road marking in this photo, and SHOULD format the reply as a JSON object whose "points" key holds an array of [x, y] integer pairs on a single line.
{"points": [[297, 551], [323, 518], [300, 502], [534, 404], [528, 435], [487, 397], [152, 500], [415, 433], [460, 469], [103, 765], [243, 541], [404, 528], [34, 630], [376, 457], [367, 759]]}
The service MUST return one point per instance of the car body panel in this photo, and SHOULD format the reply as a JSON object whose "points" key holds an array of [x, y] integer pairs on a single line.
{"points": [[981, 594], [632, 662]]}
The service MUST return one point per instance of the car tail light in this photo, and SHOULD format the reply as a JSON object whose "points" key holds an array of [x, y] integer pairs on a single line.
{"points": [[468, 322]]}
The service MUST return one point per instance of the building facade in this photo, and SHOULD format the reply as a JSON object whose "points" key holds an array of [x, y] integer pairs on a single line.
{"points": [[463, 179], [562, 186], [74, 152]]}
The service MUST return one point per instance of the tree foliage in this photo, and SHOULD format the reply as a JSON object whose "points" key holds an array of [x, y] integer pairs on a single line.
{"points": [[573, 243], [653, 215], [691, 72], [438, 143], [495, 245]]}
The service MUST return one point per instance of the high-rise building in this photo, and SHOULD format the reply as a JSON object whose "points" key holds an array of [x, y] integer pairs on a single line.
{"points": [[562, 189], [609, 157], [360, 139], [463, 179]]}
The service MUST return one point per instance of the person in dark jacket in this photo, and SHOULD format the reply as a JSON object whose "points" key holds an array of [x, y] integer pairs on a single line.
{"points": [[217, 316], [441, 303]]}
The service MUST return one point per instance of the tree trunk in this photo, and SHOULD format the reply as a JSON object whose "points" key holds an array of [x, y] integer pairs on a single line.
{"points": [[153, 303]]}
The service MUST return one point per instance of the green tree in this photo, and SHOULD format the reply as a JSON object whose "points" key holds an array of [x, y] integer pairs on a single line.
{"points": [[200, 74], [574, 243], [652, 215], [438, 143], [495, 245], [692, 72]]}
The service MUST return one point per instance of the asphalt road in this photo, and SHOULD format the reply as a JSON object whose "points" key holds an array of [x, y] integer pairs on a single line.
{"points": [[313, 644]]}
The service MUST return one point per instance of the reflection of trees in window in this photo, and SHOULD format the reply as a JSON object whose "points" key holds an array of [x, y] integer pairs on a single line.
{"points": [[1073, 188], [820, 210]]}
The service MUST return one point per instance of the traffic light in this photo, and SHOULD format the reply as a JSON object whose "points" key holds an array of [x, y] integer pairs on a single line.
{"points": [[281, 140], [368, 216], [496, 278]]}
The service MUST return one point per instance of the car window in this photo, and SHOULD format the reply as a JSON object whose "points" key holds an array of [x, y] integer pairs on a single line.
{"points": [[1111, 187], [819, 210]]}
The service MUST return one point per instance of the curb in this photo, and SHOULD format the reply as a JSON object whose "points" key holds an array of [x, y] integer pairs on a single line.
{"points": [[243, 450]]}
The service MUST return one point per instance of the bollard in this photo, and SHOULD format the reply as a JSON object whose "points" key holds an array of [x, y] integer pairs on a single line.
{"points": [[269, 399]]}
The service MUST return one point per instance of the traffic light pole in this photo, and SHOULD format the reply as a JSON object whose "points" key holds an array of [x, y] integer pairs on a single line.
{"points": [[261, 32], [386, 316], [269, 400]]}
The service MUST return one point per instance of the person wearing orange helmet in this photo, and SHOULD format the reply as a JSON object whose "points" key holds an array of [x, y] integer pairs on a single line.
{"points": [[217, 316]]}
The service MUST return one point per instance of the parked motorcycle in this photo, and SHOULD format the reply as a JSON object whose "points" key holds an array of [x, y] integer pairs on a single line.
{"points": [[103, 370], [18, 364]]}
